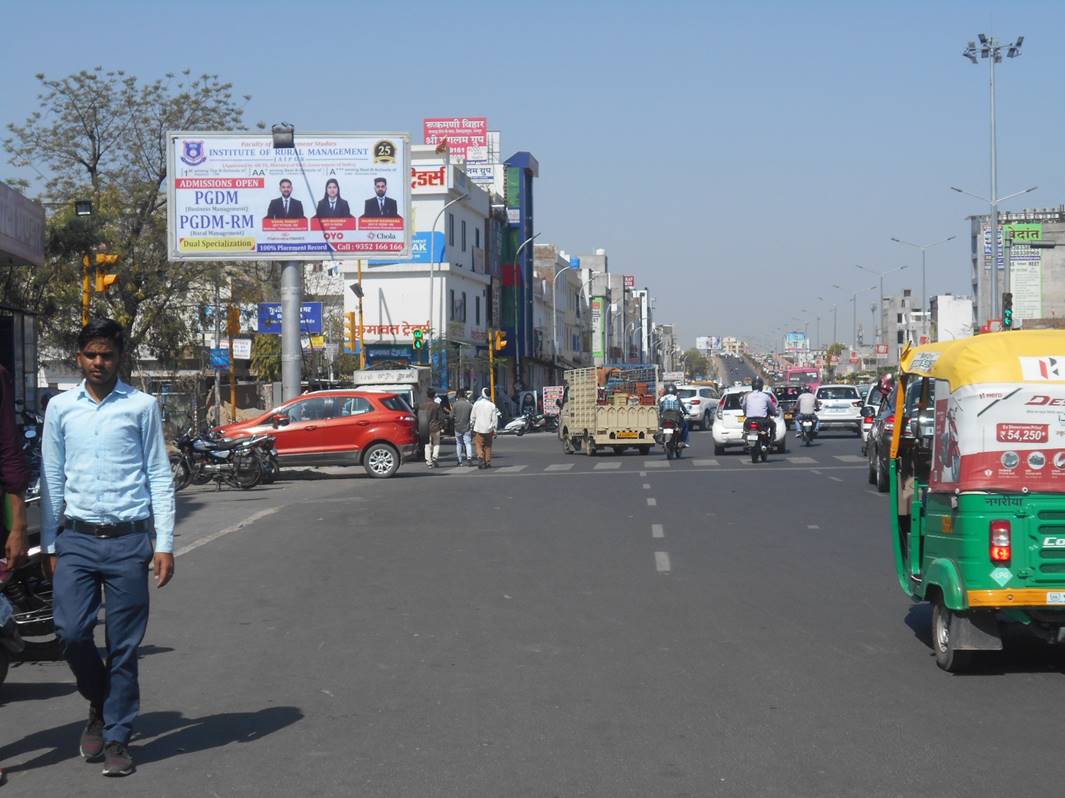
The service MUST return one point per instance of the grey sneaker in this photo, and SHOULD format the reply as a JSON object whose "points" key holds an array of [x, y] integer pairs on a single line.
{"points": [[117, 760], [91, 744]]}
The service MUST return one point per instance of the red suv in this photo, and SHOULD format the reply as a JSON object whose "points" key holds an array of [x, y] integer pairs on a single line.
{"points": [[325, 428]]}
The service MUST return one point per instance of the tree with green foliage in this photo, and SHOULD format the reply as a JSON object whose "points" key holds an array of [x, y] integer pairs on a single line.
{"points": [[695, 363], [266, 357], [101, 136]]}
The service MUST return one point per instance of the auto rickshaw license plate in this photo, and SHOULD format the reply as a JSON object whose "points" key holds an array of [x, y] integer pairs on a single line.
{"points": [[1055, 597], [628, 435]]}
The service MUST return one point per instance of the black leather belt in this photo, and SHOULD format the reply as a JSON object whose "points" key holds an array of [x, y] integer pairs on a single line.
{"points": [[105, 530]]}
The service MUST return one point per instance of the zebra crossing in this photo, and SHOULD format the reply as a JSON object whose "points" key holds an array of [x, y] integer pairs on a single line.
{"points": [[634, 465]]}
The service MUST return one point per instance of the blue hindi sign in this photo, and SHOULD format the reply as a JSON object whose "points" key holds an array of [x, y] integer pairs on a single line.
{"points": [[310, 318], [219, 358]]}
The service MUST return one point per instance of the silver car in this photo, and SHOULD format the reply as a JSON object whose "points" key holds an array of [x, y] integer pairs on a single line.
{"points": [[700, 404]]}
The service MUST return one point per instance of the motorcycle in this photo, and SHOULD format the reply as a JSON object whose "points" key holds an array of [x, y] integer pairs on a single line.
{"points": [[267, 454], [518, 425], [808, 427], [200, 460], [759, 433], [669, 436], [30, 631]]}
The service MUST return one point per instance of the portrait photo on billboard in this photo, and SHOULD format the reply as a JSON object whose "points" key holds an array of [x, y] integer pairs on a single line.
{"points": [[233, 196]]}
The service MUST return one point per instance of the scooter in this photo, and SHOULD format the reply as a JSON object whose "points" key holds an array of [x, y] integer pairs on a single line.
{"points": [[518, 425]]}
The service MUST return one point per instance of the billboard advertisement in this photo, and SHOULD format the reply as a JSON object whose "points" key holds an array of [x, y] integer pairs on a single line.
{"points": [[598, 328], [795, 342], [467, 136], [420, 250], [232, 196], [704, 343]]}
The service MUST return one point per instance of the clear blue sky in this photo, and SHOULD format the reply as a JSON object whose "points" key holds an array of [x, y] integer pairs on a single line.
{"points": [[701, 143]]}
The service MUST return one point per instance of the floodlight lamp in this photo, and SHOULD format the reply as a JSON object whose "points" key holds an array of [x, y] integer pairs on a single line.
{"points": [[1019, 42], [982, 38], [284, 135], [83, 208]]}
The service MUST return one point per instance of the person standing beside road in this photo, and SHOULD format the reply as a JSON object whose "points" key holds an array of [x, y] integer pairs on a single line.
{"points": [[460, 414], [483, 420], [105, 477], [432, 417], [14, 477]]}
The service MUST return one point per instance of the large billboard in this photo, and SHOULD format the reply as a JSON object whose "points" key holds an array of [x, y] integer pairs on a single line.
{"points": [[232, 196], [467, 136], [795, 342]]}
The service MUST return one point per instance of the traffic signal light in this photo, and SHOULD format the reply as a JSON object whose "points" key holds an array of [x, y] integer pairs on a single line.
{"points": [[500, 342], [351, 337], [1007, 310], [105, 279], [419, 339]]}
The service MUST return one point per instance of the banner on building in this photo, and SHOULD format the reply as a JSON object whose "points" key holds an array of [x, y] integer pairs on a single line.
{"points": [[232, 196], [463, 134], [881, 351], [270, 318], [1026, 284], [598, 329], [630, 280], [704, 343], [795, 342]]}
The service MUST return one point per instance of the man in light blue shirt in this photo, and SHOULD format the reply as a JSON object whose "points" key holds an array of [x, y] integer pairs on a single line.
{"points": [[105, 476]]}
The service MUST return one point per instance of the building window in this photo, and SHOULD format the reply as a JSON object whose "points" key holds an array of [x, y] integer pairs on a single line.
{"points": [[899, 320], [901, 336], [477, 310], [462, 310], [477, 236], [451, 230], [451, 303], [463, 235]]}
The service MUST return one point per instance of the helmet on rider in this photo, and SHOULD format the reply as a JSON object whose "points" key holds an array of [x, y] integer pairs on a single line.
{"points": [[757, 384], [887, 382], [671, 388]]}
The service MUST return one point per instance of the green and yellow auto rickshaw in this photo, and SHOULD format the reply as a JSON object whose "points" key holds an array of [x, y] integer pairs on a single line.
{"points": [[978, 488]]}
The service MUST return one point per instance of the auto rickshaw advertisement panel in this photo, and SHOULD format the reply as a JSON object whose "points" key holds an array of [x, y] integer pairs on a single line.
{"points": [[1021, 356], [999, 437]]}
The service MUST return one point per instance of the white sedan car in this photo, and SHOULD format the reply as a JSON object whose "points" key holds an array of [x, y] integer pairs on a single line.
{"points": [[841, 406], [728, 424]]}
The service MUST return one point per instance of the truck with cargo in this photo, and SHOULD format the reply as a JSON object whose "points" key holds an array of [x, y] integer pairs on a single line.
{"points": [[609, 407]]}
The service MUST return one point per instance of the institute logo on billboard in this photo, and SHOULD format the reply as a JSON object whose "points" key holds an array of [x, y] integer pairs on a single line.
{"points": [[193, 153], [384, 152]]}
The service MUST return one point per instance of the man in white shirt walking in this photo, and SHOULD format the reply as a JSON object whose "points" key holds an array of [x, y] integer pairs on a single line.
{"points": [[483, 421]]}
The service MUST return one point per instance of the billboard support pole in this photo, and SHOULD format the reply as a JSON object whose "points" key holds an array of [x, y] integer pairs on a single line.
{"points": [[291, 356], [217, 343]]}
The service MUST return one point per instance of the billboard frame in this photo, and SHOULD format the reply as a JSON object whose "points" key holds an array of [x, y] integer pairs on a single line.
{"points": [[174, 256]]}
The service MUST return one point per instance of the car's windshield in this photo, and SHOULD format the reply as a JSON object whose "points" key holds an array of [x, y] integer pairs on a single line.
{"points": [[685, 393], [839, 392]]}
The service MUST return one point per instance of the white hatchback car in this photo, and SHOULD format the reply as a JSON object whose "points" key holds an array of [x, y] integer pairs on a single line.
{"points": [[841, 406], [728, 423]]}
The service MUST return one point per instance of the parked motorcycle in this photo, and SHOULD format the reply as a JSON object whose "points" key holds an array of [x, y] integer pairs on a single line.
{"points": [[202, 460], [518, 425], [759, 433], [30, 632], [808, 427], [267, 454]]}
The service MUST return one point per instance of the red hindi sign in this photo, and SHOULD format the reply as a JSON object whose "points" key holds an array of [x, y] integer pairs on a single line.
{"points": [[630, 280], [461, 132]]}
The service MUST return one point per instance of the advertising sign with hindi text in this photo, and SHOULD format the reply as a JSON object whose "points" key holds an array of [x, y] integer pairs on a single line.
{"points": [[463, 133], [233, 196]]}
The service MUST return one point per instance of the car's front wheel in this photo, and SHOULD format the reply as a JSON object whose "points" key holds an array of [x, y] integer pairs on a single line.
{"points": [[381, 461]]}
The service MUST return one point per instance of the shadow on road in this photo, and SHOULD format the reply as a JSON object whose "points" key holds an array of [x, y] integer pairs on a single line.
{"points": [[35, 691], [159, 735]]}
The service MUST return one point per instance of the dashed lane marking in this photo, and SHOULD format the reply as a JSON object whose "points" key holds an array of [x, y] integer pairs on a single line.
{"points": [[606, 466], [559, 467], [657, 531], [800, 460], [835, 479], [515, 469], [651, 502], [812, 526], [662, 564], [251, 519], [656, 464], [703, 463], [646, 485], [849, 458]]}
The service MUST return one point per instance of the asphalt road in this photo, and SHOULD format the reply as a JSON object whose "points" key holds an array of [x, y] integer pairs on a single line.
{"points": [[557, 626]]}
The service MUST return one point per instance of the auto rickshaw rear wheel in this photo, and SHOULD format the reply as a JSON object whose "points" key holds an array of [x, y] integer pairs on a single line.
{"points": [[948, 658]]}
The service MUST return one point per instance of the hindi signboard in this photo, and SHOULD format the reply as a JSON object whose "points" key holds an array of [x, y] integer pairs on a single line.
{"points": [[232, 196], [463, 133], [242, 348], [270, 318], [552, 394]]}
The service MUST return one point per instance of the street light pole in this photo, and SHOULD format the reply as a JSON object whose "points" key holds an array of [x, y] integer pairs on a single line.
{"points": [[924, 248], [991, 49], [433, 268]]}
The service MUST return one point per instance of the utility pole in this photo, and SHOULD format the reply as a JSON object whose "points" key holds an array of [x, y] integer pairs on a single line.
{"points": [[362, 325], [217, 343]]}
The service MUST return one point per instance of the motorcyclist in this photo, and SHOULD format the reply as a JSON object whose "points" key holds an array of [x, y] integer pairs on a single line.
{"points": [[806, 405], [760, 405], [670, 407]]}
